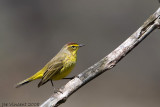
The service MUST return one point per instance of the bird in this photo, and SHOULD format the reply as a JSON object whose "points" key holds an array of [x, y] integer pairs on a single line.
{"points": [[58, 67]]}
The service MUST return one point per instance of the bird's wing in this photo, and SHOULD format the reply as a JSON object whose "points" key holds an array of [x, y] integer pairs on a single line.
{"points": [[51, 70]]}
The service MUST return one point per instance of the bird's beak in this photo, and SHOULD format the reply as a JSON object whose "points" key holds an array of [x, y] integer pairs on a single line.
{"points": [[81, 45]]}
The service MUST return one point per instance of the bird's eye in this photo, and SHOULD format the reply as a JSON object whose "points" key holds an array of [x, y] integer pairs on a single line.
{"points": [[73, 47]]}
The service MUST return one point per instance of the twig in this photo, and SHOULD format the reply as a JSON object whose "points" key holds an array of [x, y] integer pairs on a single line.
{"points": [[106, 63]]}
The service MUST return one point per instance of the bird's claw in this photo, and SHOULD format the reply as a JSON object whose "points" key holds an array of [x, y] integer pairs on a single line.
{"points": [[58, 90]]}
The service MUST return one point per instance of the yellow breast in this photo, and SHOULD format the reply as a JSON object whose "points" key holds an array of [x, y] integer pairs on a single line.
{"points": [[69, 64]]}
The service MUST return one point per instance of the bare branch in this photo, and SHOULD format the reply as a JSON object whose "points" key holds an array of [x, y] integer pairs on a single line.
{"points": [[108, 62]]}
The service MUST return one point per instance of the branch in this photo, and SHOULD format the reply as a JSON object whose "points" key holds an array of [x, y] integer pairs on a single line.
{"points": [[108, 62]]}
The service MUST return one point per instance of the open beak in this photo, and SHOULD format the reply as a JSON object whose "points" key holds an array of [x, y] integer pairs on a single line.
{"points": [[81, 45]]}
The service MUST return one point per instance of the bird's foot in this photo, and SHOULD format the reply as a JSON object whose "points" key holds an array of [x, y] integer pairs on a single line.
{"points": [[57, 90]]}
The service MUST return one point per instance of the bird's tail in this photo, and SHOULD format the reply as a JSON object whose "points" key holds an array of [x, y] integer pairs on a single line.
{"points": [[23, 82], [34, 77]]}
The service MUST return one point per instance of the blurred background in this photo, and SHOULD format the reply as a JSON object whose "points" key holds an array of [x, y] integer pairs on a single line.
{"points": [[32, 32]]}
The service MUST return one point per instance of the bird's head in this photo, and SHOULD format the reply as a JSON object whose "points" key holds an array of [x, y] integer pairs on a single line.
{"points": [[72, 47]]}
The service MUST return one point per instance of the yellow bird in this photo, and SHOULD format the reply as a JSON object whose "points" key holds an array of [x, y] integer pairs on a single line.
{"points": [[58, 67]]}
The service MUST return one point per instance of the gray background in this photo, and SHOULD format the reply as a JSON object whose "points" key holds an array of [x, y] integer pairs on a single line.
{"points": [[33, 31]]}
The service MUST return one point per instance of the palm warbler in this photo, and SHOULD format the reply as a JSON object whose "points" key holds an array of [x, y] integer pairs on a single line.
{"points": [[58, 67]]}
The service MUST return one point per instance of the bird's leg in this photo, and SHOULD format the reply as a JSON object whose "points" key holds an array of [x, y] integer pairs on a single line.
{"points": [[52, 83], [69, 77], [55, 90]]}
